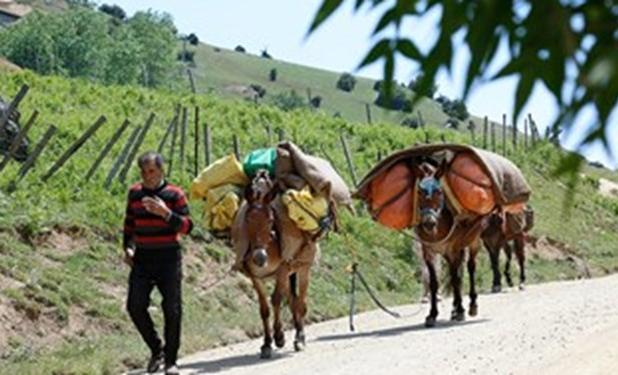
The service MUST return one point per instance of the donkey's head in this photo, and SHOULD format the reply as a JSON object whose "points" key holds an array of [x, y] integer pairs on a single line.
{"points": [[431, 200], [260, 218]]}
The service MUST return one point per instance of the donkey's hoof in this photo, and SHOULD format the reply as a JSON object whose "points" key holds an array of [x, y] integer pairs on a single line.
{"points": [[458, 315], [522, 286], [299, 346], [280, 339], [496, 289], [473, 310], [299, 342], [266, 352], [430, 321]]}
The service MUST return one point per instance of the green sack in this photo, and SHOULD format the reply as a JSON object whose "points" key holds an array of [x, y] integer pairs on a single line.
{"points": [[263, 158]]}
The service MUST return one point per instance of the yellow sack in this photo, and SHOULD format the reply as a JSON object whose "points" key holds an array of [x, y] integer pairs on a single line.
{"points": [[221, 206], [226, 170], [305, 209]]}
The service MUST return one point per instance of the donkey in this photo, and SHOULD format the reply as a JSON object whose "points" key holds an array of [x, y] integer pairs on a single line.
{"points": [[276, 249], [441, 232], [507, 231]]}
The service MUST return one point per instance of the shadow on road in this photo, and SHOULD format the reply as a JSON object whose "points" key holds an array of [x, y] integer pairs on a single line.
{"points": [[440, 324], [221, 364]]}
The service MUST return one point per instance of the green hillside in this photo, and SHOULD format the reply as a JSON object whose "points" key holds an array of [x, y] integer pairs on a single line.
{"points": [[221, 71], [62, 283]]}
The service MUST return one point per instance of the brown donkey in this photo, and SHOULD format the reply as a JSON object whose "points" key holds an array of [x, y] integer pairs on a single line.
{"points": [[507, 231], [442, 232], [275, 249]]}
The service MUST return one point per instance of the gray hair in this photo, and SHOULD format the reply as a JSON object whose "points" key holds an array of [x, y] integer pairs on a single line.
{"points": [[150, 156]]}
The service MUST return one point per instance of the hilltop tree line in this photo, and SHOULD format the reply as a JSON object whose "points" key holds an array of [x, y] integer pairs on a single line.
{"points": [[103, 45]]}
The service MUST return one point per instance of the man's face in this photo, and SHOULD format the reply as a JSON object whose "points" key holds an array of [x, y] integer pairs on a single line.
{"points": [[151, 175]]}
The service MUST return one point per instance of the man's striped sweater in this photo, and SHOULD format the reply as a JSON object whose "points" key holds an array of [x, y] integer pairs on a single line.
{"points": [[154, 238]]}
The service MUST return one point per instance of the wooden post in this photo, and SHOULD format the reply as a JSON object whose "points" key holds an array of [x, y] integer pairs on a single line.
{"points": [[74, 147], [309, 97], [514, 134], [493, 136], [504, 134], [191, 80], [127, 166], [12, 107], [281, 134], [472, 129], [269, 134], [36, 152], [442, 137], [173, 146], [112, 141], [525, 134], [121, 158], [368, 111], [236, 147], [196, 148], [18, 139], [183, 140], [169, 129], [379, 155], [207, 144], [421, 120], [534, 131], [427, 141], [348, 158], [485, 128]]}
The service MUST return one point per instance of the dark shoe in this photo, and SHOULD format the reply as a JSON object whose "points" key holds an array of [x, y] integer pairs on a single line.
{"points": [[171, 370], [156, 360]]}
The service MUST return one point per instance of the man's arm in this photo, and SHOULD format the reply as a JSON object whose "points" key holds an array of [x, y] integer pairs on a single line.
{"points": [[178, 218]]}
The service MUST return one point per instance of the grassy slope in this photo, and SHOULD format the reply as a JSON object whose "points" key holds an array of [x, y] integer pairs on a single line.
{"points": [[76, 292], [218, 70]]}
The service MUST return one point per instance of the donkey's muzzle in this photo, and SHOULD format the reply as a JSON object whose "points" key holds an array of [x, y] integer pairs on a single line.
{"points": [[260, 257]]}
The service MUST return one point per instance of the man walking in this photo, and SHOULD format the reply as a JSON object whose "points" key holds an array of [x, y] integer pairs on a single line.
{"points": [[156, 215]]}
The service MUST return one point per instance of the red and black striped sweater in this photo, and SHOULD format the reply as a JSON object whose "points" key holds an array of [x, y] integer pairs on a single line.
{"points": [[153, 238]]}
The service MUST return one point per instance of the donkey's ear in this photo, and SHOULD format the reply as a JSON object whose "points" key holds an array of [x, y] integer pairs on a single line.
{"points": [[441, 169]]}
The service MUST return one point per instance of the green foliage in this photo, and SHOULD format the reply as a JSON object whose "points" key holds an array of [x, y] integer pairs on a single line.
{"points": [[454, 108], [288, 101], [545, 39], [81, 42], [415, 85], [346, 82], [400, 100]]}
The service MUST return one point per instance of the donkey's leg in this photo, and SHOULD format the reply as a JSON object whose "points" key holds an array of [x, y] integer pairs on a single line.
{"points": [[266, 350], [521, 258], [281, 289], [300, 306], [455, 259], [507, 266], [494, 257], [474, 248], [428, 257]]}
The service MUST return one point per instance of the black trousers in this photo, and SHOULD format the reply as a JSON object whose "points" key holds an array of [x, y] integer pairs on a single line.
{"points": [[167, 278]]}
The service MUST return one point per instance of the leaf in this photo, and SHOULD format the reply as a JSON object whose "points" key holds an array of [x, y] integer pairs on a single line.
{"points": [[524, 88], [409, 49], [326, 10], [380, 49], [387, 18]]}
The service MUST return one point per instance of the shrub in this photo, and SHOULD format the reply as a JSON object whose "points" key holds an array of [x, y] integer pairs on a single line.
{"points": [[415, 85], [399, 101], [259, 90], [273, 75], [114, 11], [316, 101], [411, 122], [265, 54], [289, 101], [240, 49], [454, 108], [193, 39], [346, 82], [186, 56]]}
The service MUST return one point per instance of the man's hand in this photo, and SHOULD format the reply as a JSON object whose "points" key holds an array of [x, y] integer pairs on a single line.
{"points": [[157, 206], [128, 256]]}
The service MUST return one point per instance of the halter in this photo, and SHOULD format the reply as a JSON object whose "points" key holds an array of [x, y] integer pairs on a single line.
{"points": [[429, 185]]}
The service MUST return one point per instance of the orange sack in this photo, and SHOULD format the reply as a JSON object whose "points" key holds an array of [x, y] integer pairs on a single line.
{"points": [[471, 184], [392, 197]]}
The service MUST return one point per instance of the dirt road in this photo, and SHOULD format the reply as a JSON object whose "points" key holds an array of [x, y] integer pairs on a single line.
{"points": [[556, 328]]}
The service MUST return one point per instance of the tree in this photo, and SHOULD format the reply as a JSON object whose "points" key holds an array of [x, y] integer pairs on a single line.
{"points": [[415, 85], [193, 39], [240, 49], [289, 101], [114, 11], [568, 46], [346, 82], [272, 76]]}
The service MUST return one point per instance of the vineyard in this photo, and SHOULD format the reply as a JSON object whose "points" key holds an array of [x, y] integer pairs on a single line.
{"points": [[62, 282]]}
